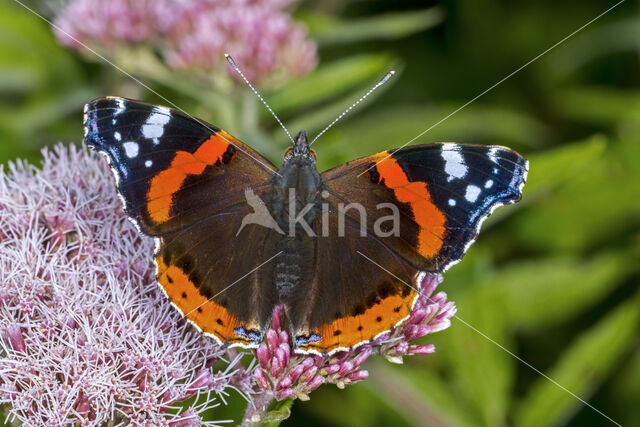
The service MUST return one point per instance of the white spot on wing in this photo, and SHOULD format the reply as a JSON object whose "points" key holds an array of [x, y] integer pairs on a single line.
{"points": [[452, 202], [120, 105], [472, 193], [454, 164], [492, 154], [117, 136], [148, 163], [131, 149], [154, 126], [85, 118], [488, 184]]}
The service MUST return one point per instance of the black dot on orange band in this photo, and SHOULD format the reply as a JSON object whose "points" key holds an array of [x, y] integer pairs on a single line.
{"points": [[199, 309], [184, 295], [169, 279], [219, 322], [397, 309], [337, 332], [360, 327], [378, 319]]}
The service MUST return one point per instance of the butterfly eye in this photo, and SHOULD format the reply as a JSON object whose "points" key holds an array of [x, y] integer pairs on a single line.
{"points": [[313, 154], [288, 152]]}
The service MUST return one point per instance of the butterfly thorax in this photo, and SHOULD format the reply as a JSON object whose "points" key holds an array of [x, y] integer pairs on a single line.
{"points": [[296, 207]]}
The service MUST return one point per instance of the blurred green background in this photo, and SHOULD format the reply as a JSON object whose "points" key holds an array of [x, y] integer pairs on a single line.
{"points": [[552, 281]]}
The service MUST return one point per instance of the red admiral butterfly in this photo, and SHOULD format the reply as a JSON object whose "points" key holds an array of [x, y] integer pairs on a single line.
{"points": [[190, 185]]}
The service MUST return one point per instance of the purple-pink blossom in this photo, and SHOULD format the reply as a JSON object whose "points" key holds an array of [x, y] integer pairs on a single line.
{"points": [[194, 35], [86, 335]]}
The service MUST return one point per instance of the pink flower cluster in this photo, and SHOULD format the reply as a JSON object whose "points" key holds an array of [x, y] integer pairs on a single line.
{"points": [[431, 313], [86, 336], [195, 34], [284, 374]]}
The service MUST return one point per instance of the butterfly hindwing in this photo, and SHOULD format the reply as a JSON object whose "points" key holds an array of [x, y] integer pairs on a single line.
{"points": [[209, 262], [358, 289], [182, 181]]}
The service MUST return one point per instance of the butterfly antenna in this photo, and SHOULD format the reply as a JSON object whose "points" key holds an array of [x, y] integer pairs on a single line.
{"points": [[235, 67], [362, 98]]}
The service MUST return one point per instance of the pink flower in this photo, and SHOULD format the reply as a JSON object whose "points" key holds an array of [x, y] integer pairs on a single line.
{"points": [[194, 35], [105, 24], [87, 336]]}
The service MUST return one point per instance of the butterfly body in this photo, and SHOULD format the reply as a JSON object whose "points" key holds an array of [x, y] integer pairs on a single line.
{"points": [[343, 250]]}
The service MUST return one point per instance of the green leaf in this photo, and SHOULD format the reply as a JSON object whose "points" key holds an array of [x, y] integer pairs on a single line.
{"points": [[321, 117], [540, 293], [485, 379], [41, 83], [358, 405], [391, 127], [597, 204], [581, 369], [552, 168], [587, 46], [625, 390], [329, 80], [330, 30], [599, 105], [276, 413], [418, 394]]}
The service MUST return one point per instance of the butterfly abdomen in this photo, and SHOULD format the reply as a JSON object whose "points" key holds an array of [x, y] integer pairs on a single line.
{"points": [[289, 268]]}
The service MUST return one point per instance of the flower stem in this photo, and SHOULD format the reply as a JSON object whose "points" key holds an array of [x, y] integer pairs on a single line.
{"points": [[266, 411]]}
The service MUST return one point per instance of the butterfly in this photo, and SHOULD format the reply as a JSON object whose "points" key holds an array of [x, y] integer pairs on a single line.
{"points": [[343, 250]]}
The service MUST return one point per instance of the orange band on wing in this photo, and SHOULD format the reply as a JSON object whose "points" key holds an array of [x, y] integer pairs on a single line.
{"points": [[166, 183], [429, 218], [210, 317], [349, 331]]}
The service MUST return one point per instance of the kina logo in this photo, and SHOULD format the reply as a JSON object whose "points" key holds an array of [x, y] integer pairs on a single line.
{"points": [[260, 216]]}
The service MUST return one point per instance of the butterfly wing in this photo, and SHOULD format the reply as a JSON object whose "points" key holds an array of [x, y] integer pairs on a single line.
{"points": [[367, 280], [183, 182]]}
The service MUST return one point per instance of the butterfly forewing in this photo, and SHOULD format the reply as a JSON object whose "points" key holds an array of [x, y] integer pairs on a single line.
{"points": [[443, 193], [171, 169]]}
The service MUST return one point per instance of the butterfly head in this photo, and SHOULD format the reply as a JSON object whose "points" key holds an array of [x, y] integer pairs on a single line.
{"points": [[300, 150]]}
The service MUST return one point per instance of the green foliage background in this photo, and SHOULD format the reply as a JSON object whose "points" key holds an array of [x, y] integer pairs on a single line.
{"points": [[552, 283]]}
